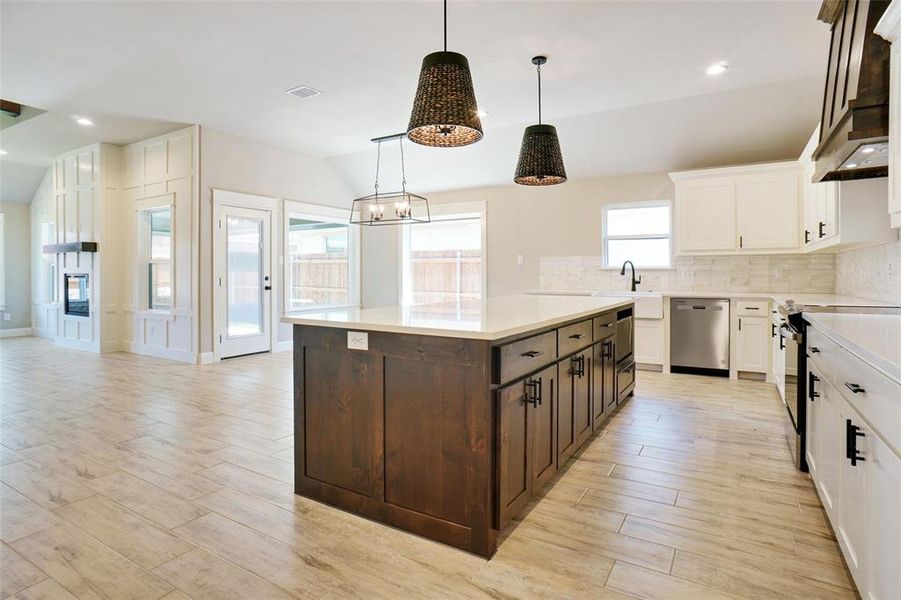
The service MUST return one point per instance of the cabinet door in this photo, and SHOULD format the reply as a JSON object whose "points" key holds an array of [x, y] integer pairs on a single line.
{"points": [[649, 341], [852, 503], [706, 214], [582, 396], [884, 522], [514, 466], [751, 344], [811, 445], [566, 415], [830, 446], [767, 211], [543, 429], [597, 384]]}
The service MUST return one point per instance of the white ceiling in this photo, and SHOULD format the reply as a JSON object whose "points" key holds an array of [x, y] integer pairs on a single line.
{"points": [[625, 81]]}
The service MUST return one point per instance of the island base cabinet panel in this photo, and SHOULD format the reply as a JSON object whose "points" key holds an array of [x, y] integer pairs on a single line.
{"points": [[347, 454], [527, 440]]}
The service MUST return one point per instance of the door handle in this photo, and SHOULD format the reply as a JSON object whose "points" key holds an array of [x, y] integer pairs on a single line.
{"points": [[267, 287]]}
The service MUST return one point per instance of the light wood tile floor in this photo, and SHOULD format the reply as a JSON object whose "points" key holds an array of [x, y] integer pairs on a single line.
{"points": [[128, 477]]}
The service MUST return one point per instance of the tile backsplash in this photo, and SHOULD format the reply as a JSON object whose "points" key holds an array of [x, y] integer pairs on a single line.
{"points": [[810, 273], [873, 272]]}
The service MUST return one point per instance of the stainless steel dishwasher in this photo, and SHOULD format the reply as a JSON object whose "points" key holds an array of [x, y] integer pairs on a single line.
{"points": [[699, 336]]}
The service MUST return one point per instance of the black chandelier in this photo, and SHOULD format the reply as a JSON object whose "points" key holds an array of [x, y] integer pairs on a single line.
{"points": [[540, 160], [445, 113], [393, 207]]}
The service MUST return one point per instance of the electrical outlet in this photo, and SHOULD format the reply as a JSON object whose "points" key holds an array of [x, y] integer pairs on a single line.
{"points": [[357, 340]]}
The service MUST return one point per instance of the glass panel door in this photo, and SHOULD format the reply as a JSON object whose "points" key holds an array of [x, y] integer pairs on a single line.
{"points": [[244, 275]]}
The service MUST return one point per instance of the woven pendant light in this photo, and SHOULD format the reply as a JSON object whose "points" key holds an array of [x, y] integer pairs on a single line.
{"points": [[445, 113], [540, 160]]}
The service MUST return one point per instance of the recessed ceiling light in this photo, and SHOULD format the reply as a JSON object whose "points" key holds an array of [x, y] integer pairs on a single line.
{"points": [[482, 113], [84, 121], [850, 165], [3, 152], [718, 68], [868, 150]]}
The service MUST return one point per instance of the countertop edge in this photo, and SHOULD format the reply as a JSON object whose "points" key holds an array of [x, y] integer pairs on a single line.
{"points": [[490, 336], [887, 368]]}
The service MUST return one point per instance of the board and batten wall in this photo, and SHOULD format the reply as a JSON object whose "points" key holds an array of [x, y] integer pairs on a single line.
{"points": [[237, 164], [161, 167]]}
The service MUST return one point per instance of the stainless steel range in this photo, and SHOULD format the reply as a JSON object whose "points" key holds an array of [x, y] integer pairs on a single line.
{"points": [[790, 331]]}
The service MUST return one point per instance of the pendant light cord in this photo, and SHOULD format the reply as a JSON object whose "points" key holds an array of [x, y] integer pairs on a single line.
{"points": [[445, 25], [539, 93], [403, 170], [378, 160]]}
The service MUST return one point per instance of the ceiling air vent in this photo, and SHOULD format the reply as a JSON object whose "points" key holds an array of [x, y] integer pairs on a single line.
{"points": [[303, 92]]}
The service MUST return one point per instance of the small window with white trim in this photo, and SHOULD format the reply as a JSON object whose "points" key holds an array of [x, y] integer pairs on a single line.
{"points": [[637, 231], [159, 259]]}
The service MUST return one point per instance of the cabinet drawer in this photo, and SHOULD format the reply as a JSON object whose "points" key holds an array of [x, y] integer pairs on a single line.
{"points": [[604, 326], [625, 381], [751, 308], [525, 355], [876, 398], [821, 353], [575, 337]]}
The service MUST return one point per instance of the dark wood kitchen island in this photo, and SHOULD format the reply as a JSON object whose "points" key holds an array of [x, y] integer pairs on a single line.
{"points": [[445, 419]]}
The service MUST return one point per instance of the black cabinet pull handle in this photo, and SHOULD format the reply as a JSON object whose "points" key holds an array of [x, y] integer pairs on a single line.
{"points": [[773, 334], [532, 353], [822, 227], [781, 343], [577, 366], [852, 432], [814, 350], [752, 308], [855, 388], [806, 236], [577, 336], [811, 390]]}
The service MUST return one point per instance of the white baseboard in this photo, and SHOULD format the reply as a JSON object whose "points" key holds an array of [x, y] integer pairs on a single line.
{"points": [[207, 358], [185, 356], [283, 346], [20, 332]]}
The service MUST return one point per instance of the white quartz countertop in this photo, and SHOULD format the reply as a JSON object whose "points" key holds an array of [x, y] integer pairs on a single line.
{"points": [[874, 339], [489, 319], [805, 299]]}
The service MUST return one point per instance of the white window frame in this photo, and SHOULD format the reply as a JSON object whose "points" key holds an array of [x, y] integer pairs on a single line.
{"points": [[326, 214], [444, 212], [643, 204], [143, 208]]}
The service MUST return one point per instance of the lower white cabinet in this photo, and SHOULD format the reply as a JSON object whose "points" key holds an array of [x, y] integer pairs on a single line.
{"points": [[649, 341], [752, 344], [856, 468]]}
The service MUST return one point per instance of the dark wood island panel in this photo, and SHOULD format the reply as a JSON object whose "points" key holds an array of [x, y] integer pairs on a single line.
{"points": [[445, 437]]}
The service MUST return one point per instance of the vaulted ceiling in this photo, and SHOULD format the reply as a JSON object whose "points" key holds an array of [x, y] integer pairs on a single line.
{"points": [[625, 81]]}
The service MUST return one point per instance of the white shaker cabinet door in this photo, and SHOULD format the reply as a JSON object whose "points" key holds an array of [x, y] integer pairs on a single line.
{"points": [[705, 210], [883, 578], [767, 211]]}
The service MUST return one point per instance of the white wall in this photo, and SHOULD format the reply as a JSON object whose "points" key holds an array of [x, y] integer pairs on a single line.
{"points": [[164, 167], [562, 220], [44, 306], [233, 163], [16, 267]]}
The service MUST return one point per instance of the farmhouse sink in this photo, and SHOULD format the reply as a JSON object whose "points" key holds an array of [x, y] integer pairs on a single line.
{"points": [[648, 305]]}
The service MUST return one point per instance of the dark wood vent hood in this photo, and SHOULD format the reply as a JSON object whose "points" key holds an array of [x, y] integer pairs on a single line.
{"points": [[70, 247], [854, 122]]}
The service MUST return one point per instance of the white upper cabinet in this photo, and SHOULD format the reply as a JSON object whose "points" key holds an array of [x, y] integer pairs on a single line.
{"points": [[738, 210], [889, 27], [767, 211], [705, 213]]}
